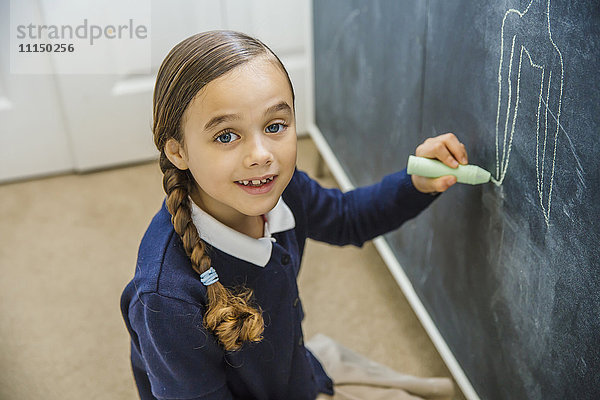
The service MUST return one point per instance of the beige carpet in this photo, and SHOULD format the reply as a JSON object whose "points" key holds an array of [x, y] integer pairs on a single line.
{"points": [[68, 246]]}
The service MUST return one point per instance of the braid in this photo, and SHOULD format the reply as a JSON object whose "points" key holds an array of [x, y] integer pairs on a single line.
{"points": [[230, 316]]}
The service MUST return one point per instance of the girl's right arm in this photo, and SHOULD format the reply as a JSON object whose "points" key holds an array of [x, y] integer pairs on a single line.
{"points": [[362, 214], [181, 359]]}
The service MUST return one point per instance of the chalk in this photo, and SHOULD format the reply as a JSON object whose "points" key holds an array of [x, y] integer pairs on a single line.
{"points": [[470, 174]]}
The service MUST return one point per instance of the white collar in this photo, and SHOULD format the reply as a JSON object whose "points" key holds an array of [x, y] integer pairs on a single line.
{"points": [[237, 244]]}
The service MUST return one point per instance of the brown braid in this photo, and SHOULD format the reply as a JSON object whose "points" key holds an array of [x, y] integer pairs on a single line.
{"points": [[188, 67], [231, 317]]}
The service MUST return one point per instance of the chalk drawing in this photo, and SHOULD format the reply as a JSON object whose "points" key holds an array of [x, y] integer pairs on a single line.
{"points": [[512, 109]]}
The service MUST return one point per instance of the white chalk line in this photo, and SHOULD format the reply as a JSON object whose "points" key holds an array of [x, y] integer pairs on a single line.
{"points": [[562, 75], [571, 145], [540, 177], [502, 163]]}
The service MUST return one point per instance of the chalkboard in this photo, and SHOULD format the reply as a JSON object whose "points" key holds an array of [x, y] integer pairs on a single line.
{"points": [[510, 274]]}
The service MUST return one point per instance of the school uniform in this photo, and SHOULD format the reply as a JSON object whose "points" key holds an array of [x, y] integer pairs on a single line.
{"points": [[174, 357]]}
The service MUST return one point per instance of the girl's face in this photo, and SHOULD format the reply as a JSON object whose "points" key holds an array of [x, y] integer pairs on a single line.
{"points": [[240, 142]]}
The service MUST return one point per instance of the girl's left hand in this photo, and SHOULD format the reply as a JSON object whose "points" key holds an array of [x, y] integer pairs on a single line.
{"points": [[449, 150]]}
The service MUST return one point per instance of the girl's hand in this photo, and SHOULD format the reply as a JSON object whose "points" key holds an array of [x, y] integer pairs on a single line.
{"points": [[449, 150]]}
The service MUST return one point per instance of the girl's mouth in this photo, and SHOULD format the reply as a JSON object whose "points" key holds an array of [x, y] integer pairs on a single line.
{"points": [[256, 182], [257, 186]]}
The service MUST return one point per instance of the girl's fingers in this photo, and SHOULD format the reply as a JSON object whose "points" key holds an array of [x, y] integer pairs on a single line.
{"points": [[449, 150], [436, 148], [431, 185], [456, 147], [443, 183], [446, 148]]}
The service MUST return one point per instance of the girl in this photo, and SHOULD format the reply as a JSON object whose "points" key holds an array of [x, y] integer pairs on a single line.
{"points": [[213, 309]]}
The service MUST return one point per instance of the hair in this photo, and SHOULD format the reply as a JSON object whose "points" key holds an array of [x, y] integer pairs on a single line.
{"points": [[231, 314]]}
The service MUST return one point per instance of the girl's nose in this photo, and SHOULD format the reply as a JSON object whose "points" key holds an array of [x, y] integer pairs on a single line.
{"points": [[258, 152]]}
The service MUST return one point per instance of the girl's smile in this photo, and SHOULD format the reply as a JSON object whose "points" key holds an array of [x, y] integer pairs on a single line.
{"points": [[239, 143], [257, 185]]}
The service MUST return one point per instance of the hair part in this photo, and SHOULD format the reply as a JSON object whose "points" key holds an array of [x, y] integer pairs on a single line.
{"points": [[231, 315]]}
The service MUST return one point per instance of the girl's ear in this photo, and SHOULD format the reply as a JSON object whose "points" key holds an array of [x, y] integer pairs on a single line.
{"points": [[176, 154]]}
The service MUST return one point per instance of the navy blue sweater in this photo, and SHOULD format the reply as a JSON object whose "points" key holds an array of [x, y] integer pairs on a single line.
{"points": [[174, 357]]}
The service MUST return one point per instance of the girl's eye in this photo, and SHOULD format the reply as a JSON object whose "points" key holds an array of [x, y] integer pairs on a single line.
{"points": [[275, 128], [226, 137]]}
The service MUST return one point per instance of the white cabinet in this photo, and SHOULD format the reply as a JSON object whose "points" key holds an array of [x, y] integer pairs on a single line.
{"points": [[110, 116], [33, 137], [74, 122], [284, 27]]}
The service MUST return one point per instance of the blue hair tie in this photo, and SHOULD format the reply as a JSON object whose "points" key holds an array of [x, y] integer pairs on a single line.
{"points": [[209, 277]]}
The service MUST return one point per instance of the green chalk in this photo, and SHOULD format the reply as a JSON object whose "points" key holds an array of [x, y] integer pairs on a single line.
{"points": [[471, 174]]}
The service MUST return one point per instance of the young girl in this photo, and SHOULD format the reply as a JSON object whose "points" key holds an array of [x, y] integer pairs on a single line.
{"points": [[213, 309]]}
